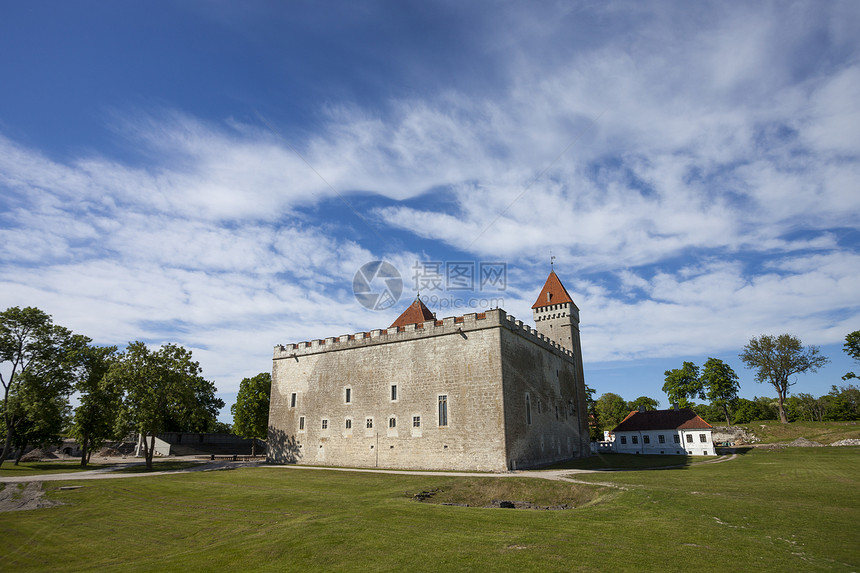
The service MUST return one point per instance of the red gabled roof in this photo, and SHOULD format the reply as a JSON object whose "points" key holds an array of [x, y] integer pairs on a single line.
{"points": [[683, 419], [553, 292], [416, 313]]}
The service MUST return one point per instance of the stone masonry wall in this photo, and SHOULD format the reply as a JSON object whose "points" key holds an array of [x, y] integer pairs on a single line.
{"points": [[545, 404]]}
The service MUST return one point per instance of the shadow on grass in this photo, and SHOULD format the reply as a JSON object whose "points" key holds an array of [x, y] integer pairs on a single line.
{"points": [[624, 462], [157, 467], [8, 468]]}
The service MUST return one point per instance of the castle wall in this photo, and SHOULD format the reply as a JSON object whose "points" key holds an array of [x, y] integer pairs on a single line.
{"points": [[482, 363], [545, 412], [455, 360]]}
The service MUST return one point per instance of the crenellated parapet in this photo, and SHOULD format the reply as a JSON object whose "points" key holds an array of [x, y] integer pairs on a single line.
{"points": [[460, 325]]}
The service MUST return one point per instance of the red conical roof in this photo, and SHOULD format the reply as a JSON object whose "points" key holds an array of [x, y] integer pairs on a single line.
{"points": [[416, 313], [553, 292]]}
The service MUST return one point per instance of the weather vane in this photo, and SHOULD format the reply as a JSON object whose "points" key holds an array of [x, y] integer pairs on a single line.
{"points": [[551, 259]]}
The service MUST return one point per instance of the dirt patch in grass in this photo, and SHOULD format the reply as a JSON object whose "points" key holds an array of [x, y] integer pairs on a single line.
{"points": [[24, 496], [510, 493]]}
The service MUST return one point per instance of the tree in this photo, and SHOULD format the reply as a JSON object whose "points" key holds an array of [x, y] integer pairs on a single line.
{"points": [[843, 403], [852, 348], [40, 371], [41, 416], [776, 359], [159, 387], [594, 431], [251, 410], [95, 417], [683, 384], [750, 410], [643, 401], [721, 384], [611, 409]]}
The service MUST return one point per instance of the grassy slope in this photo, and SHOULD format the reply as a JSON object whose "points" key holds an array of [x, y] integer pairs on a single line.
{"points": [[787, 510], [770, 432]]}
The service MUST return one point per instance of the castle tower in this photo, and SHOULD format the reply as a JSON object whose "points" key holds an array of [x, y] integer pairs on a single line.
{"points": [[416, 313], [556, 316]]}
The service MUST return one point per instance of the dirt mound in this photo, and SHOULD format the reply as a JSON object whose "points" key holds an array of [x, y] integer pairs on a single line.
{"points": [[37, 454], [848, 442], [109, 453]]}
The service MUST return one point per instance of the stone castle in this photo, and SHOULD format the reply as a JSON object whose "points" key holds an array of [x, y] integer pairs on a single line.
{"points": [[481, 392]]}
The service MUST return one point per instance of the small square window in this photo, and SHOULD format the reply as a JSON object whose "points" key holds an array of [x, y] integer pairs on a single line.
{"points": [[689, 438], [394, 392], [661, 438], [293, 400], [646, 439], [301, 422], [368, 423], [416, 421], [348, 424], [703, 438], [325, 424], [392, 422]]}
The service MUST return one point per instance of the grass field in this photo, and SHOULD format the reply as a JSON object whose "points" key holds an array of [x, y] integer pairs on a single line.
{"points": [[794, 509]]}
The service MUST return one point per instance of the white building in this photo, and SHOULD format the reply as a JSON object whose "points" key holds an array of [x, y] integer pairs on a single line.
{"points": [[677, 431]]}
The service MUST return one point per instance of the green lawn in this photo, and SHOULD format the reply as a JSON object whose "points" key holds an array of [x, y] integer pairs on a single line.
{"points": [[794, 509]]}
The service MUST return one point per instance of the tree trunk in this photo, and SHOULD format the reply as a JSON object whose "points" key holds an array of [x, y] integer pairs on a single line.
{"points": [[20, 454], [781, 403], [7, 444], [84, 449], [253, 447], [149, 451], [726, 412]]}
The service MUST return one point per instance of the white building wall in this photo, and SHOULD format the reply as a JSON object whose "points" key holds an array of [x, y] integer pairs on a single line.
{"points": [[648, 442]]}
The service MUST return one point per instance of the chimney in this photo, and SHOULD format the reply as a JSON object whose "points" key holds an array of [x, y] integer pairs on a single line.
{"points": [[641, 408], [675, 406]]}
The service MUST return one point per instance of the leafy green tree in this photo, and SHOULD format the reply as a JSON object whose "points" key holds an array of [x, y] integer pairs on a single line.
{"points": [[611, 409], [721, 384], [40, 370], [96, 416], [251, 410], [644, 401], [683, 384], [747, 411], [776, 359], [41, 418], [852, 349], [843, 403], [159, 387], [594, 431], [804, 406]]}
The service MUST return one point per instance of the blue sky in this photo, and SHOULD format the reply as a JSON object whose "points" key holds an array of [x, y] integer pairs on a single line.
{"points": [[214, 173]]}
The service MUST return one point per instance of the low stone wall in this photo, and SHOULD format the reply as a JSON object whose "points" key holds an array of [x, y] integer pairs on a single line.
{"points": [[734, 435]]}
